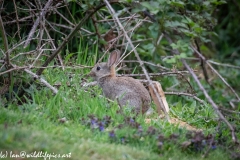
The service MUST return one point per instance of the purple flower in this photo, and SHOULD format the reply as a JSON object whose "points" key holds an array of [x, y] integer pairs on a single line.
{"points": [[93, 121], [101, 126], [214, 147], [112, 134], [122, 140], [131, 120]]}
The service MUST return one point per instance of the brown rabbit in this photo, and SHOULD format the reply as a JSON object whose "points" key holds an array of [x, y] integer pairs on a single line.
{"points": [[129, 91]]}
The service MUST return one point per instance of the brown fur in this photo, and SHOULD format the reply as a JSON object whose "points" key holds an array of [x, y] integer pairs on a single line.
{"points": [[129, 91]]}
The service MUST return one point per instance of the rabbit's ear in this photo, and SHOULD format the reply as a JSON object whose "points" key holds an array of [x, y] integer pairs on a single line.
{"points": [[113, 58]]}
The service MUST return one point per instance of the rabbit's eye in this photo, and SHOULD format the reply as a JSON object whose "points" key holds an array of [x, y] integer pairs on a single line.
{"points": [[98, 68]]}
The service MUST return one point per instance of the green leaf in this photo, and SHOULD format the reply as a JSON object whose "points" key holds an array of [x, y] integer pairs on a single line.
{"points": [[153, 7], [182, 55], [171, 60], [192, 107], [179, 4], [68, 56], [174, 24], [148, 46], [218, 2]]}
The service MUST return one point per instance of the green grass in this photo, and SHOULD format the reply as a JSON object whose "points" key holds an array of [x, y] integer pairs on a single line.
{"points": [[62, 123], [35, 126]]}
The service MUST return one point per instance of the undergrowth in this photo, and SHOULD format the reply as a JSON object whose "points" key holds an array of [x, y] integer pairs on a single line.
{"points": [[79, 121]]}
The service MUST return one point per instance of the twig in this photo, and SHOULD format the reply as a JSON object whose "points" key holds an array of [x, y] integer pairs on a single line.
{"points": [[186, 94], [12, 69], [137, 41], [162, 74], [158, 41], [5, 41], [76, 28], [216, 72], [7, 58], [202, 64], [123, 18], [54, 66], [20, 20], [17, 19], [55, 10], [154, 74], [137, 56], [55, 91], [113, 41], [41, 29], [209, 99], [230, 111], [66, 4], [149, 63], [222, 64], [54, 47], [36, 59], [42, 14], [95, 26], [59, 25], [125, 55]]}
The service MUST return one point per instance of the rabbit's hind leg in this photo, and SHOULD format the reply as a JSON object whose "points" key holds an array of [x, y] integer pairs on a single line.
{"points": [[132, 101]]}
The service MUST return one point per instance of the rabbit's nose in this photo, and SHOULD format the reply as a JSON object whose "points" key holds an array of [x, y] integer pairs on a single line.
{"points": [[91, 74]]}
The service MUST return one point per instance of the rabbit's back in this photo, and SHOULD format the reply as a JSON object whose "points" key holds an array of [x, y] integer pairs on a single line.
{"points": [[129, 91]]}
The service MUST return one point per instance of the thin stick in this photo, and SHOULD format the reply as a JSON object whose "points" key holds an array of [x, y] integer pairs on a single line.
{"points": [[222, 64], [216, 72], [209, 99], [12, 69], [154, 74], [230, 111], [70, 23], [17, 19], [55, 91], [185, 94], [5, 41], [149, 63], [7, 59], [158, 41], [76, 28], [54, 47], [137, 56], [42, 14], [122, 58], [123, 18]]}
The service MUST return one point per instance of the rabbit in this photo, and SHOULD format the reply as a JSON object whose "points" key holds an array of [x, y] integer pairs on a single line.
{"points": [[127, 90]]}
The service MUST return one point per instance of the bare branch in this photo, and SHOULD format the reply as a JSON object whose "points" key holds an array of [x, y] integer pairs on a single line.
{"points": [[13, 69], [209, 99], [5, 41], [222, 64], [149, 63], [216, 72], [55, 91], [186, 94], [17, 19], [64, 17], [154, 74], [76, 28], [230, 111], [42, 14]]}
